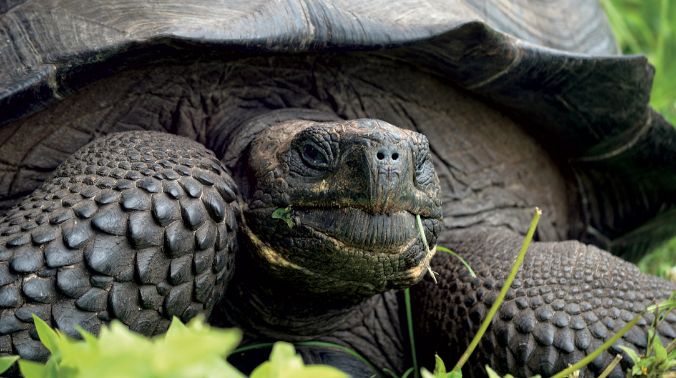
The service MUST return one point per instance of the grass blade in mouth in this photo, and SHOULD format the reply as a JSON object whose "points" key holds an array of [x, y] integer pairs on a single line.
{"points": [[457, 256], [418, 222]]}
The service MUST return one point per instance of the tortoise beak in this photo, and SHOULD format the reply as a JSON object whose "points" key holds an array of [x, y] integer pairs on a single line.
{"points": [[390, 182], [389, 174]]}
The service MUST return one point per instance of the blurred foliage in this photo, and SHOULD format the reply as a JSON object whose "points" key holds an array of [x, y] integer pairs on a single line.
{"points": [[193, 350], [658, 360], [285, 363], [661, 261], [648, 27]]}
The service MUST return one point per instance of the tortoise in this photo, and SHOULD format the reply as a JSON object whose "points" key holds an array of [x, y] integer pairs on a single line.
{"points": [[263, 164]]}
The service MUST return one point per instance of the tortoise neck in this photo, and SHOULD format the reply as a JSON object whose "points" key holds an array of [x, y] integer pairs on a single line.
{"points": [[266, 303], [267, 307]]}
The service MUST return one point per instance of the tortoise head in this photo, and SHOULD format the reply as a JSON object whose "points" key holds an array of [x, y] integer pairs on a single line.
{"points": [[332, 206]]}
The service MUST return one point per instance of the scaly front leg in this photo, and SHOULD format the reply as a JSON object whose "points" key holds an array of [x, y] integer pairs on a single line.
{"points": [[137, 226], [567, 299]]}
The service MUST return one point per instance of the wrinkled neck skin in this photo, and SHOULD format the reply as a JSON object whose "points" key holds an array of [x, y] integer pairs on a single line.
{"points": [[265, 305]]}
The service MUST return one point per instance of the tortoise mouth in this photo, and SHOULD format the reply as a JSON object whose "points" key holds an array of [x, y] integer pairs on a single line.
{"points": [[351, 249], [355, 228]]}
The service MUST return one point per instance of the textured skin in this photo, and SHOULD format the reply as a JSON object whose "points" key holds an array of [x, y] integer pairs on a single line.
{"points": [[355, 233], [479, 155], [566, 300], [590, 109], [151, 217], [376, 330], [136, 226], [487, 164]]}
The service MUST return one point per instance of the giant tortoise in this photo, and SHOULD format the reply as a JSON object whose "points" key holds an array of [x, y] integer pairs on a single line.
{"points": [[263, 163]]}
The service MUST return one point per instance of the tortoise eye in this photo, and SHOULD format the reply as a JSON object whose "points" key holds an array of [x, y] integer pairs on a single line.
{"points": [[313, 156]]}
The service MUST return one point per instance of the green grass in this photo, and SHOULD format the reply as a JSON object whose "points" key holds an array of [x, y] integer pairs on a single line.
{"points": [[662, 261], [648, 27], [658, 360], [503, 292]]}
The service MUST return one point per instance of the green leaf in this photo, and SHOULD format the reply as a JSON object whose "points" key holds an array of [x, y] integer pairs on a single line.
{"points": [[31, 369], [207, 345], [660, 351], [439, 367], [284, 214], [175, 328], [631, 353], [282, 358], [284, 363], [663, 306], [193, 350], [86, 336], [48, 337], [426, 373], [491, 373], [6, 362], [455, 373], [407, 372]]}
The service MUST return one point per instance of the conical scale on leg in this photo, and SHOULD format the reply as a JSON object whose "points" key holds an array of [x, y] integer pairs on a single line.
{"points": [[140, 238]]}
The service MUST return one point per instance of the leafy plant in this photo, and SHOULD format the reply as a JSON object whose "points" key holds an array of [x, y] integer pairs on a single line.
{"points": [[440, 370], [192, 350], [284, 363], [657, 360], [492, 374], [655, 363], [7, 362]]}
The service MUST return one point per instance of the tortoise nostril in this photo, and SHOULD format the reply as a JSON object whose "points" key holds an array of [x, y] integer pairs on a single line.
{"points": [[388, 154]]}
